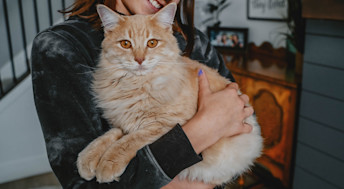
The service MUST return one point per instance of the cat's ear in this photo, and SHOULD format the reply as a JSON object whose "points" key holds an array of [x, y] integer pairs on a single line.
{"points": [[166, 15], [108, 17]]}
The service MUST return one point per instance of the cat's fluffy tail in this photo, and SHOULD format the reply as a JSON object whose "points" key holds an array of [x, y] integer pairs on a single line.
{"points": [[227, 158]]}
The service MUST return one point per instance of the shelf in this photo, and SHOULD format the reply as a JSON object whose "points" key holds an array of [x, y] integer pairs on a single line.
{"points": [[320, 9]]}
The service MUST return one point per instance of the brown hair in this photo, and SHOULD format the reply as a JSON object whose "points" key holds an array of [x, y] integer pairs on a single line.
{"points": [[184, 17]]}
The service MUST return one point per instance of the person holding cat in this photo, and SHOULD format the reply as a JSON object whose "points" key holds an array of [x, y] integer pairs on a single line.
{"points": [[63, 59]]}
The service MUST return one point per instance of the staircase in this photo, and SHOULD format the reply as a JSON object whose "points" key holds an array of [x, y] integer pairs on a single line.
{"points": [[22, 147]]}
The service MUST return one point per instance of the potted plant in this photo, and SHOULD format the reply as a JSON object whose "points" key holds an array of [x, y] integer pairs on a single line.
{"points": [[296, 36], [214, 8]]}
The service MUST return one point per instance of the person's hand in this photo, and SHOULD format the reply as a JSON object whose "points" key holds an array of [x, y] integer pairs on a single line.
{"points": [[220, 114], [225, 109], [185, 184]]}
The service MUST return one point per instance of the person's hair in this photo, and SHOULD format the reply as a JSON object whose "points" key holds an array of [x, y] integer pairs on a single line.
{"points": [[86, 9]]}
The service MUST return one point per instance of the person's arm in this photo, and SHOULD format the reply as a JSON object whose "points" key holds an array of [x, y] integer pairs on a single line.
{"points": [[61, 76], [215, 119]]}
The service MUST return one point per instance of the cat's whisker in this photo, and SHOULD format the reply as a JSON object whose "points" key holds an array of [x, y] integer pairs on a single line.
{"points": [[113, 68], [87, 72], [173, 63], [168, 63], [90, 67]]}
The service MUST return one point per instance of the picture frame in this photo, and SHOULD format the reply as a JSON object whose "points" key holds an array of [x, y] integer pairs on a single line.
{"points": [[228, 39], [270, 10]]}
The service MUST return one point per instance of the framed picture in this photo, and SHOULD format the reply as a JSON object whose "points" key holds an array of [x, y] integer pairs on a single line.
{"points": [[228, 39], [273, 10]]}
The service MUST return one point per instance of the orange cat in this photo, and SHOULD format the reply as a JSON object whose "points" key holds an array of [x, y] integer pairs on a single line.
{"points": [[145, 88]]}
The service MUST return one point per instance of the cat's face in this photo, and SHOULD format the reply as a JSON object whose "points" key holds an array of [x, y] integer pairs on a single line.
{"points": [[140, 43]]}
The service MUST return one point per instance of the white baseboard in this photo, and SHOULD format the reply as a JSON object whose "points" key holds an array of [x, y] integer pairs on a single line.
{"points": [[24, 167]]}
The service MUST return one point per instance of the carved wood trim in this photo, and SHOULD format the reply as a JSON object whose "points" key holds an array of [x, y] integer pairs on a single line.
{"points": [[266, 51]]}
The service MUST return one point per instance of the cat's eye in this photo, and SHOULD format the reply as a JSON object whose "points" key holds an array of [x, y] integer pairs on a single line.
{"points": [[152, 43], [125, 44]]}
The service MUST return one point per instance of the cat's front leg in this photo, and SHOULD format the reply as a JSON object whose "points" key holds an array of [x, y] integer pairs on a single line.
{"points": [[89, 157], [119, 154]]}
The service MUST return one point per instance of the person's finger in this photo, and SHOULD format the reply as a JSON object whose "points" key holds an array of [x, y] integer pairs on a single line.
{"points": [[245, 98], [247, 128], [204, 88], [248, 111], [233, 85]]}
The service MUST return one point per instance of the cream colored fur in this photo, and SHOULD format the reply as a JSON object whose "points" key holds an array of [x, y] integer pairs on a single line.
{"points": [[143, 102]]}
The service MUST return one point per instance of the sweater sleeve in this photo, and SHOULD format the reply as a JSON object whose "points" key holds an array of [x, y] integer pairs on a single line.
{"points": [[205, 53], [61, 76]]}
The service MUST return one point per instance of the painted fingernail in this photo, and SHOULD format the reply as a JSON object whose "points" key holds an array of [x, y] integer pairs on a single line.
{"points": [[200, 72]]}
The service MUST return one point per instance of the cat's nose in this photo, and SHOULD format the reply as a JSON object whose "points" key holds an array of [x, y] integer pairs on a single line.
{"points": [[139, 60]]}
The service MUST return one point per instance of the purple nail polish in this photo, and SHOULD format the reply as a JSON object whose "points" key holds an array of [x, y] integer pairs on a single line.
{"points": [[200, 72]]}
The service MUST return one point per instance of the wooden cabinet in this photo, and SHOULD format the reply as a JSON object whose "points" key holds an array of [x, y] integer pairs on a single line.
{"points": [[273, 90], [320, 9]]}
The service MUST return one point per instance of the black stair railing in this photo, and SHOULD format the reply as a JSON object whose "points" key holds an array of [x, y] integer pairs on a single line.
{"points": [[13, 76]]}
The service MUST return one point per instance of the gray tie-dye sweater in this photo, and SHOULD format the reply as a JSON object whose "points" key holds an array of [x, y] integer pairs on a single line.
{"points": [[63, 59]]}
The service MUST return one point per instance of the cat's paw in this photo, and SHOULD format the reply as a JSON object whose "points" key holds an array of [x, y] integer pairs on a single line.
{"points": [[109, 170], [113, 163], [87, 164]]}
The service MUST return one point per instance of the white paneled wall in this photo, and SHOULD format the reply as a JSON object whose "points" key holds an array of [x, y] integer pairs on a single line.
{"points": [[22, 148]]}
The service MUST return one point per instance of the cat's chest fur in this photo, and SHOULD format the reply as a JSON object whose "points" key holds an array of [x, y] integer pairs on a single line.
{"points": [[133, 102]]}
